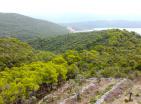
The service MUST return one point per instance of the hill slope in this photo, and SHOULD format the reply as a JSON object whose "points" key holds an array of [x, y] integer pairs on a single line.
{"points": [[108, 53], [23, 27], [87, 41], [14, 52]]}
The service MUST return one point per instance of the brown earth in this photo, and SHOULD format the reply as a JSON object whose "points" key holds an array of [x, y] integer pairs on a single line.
{"points": [[82, 93], [136, 94]]}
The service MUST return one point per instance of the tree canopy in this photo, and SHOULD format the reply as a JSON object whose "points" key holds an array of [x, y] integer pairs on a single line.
{"points": [[26, 72]]}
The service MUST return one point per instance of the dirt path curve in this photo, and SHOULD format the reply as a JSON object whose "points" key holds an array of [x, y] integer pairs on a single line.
{"points": [[90, 89], [115, 92], [136, 94]]}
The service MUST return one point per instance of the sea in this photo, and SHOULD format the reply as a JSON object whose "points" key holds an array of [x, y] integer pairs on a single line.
{"points": [[137, 30]]}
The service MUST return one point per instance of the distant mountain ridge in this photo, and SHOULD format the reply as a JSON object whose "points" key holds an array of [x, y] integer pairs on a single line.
{"points": [[24, 27], [104, 24]]}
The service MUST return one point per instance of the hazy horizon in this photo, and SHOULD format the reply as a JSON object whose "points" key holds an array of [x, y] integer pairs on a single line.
{"points": [[63, 11]]}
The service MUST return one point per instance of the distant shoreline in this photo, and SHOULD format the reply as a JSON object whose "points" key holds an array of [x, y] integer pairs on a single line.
{"points": [[137, 30]]}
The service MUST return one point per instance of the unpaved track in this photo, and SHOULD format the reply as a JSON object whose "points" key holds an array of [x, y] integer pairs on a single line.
{"points": [[136, 96], [115, 92], [87, 92]]}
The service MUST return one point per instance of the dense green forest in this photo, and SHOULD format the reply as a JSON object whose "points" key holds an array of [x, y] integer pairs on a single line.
{"points": [[88, 41], [24, 27], [28, 72]]}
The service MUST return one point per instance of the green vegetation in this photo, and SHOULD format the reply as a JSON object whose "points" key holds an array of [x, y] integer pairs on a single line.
{"points": [[24, 27], [14, 52], [87, 41], [26, 72], [112, 52], [19, 83]]}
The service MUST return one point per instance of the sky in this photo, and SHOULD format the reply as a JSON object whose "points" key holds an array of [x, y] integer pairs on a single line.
{"points": [[75, 10]]}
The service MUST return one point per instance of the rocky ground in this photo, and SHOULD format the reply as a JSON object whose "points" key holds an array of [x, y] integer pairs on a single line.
{"points": [[96, 91], [135, 89]]}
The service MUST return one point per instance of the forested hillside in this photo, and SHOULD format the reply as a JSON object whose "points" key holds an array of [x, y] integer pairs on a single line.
{"points": [[24, 27], [27, 74], [113, 49], [14, 52], [91, 40]]}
